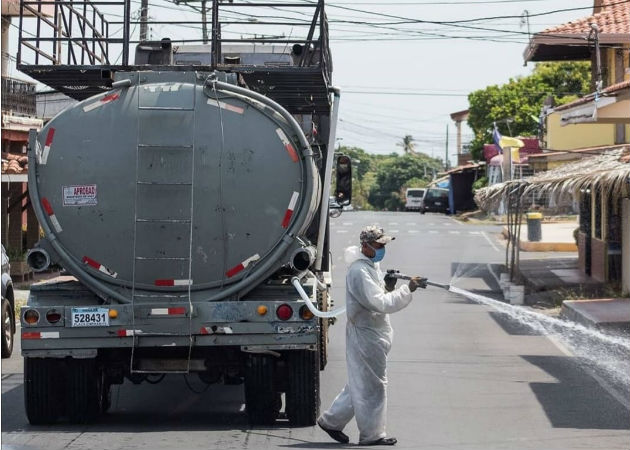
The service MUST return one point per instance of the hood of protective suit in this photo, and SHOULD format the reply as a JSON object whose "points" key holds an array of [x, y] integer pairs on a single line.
{"points": [[352, 253]]}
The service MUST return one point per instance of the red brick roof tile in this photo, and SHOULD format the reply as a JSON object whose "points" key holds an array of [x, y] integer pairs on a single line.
{"points": [[614, 18]]}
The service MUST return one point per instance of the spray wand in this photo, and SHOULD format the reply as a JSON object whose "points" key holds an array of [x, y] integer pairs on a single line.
{"points": [[396, 274]]}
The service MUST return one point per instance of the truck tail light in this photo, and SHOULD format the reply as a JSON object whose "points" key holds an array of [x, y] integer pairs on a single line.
{"points": [[306, 313], [31, 316], [284, 312], [53, 316]]}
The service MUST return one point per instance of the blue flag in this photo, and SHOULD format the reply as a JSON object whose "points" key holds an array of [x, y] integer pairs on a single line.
{"points": [[496, 136]]}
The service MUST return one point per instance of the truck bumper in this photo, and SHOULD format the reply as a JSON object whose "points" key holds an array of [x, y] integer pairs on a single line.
{"points": [[204, 325]]}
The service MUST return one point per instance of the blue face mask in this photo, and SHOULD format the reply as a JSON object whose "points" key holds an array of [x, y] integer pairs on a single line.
{"points": [[379, 253]]}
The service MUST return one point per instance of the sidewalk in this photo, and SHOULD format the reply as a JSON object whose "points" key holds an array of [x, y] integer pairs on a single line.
{"points": [[552, 281], [556, 237], [610, 314]]}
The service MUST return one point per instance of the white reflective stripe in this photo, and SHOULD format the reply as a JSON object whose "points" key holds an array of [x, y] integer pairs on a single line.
{"points": [[256, 257], [55, 223], [49, 335], [226, 106], [283, 137], [44, 156], [293, 202], [108, 97], [182, 282], [159, 311], [106, 271]]}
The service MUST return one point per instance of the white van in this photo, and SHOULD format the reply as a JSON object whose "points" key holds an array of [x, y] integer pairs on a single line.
{"points": [[414, 198]]}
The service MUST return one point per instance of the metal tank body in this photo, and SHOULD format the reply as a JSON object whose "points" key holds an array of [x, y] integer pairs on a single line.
{"points": [[173, 185]]}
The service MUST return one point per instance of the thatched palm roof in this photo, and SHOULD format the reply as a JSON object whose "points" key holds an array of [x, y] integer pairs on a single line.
{"points": [[609, 171]]}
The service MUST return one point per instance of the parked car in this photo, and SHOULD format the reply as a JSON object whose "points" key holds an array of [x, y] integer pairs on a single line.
{"points": [[413, 199], [435, 200], [8, 307]]}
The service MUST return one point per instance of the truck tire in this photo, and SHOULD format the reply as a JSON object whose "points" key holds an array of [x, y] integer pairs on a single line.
{"points": [[7, 328], [106, 397], [43, 390], [303, 388], [262, 401], [84, 390]]}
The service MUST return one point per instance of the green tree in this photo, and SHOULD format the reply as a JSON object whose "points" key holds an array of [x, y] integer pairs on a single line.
{"points": [[394, 173], [521, 99]]}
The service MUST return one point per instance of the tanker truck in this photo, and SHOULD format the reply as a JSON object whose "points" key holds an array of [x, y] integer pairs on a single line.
{"points": [[190, 214]]}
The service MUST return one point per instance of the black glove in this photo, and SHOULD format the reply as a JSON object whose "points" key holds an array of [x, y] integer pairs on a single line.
{"points": [[390, 282], [417, 282]]}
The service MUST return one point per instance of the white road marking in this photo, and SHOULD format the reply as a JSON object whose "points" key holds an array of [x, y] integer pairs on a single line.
{"points": [[394, 231], [347, 224], [483, 233], [448, 224], [433, 231], [392, 223], [453, 232], [474, 232], [341, 231], [414, 231]]}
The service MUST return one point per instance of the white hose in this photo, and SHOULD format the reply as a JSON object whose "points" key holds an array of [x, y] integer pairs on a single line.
{"points": [[309, 303]]}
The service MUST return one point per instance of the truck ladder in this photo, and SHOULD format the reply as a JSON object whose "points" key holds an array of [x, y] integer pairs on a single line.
{"points": [[163, 227]]}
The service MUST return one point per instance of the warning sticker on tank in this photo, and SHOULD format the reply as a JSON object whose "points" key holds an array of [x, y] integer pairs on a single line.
{"points": [[84, 195]]}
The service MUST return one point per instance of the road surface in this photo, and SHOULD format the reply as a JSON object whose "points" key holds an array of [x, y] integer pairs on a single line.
{"points": [[460, 375]]}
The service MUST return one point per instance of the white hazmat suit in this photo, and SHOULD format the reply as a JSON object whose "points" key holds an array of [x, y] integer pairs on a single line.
{"points": [[368, 340]]}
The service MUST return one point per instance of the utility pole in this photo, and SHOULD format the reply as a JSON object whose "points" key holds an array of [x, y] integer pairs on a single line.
{"points": [[144, 8], [446, 162]]}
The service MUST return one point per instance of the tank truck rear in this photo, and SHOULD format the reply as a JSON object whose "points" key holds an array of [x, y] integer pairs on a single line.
{"points": [[186, 195]]}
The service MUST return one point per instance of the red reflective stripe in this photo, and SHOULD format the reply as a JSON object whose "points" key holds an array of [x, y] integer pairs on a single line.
{"points": [[204, 330], [287, 218], [31, 335], [110, 97], [49, 137], [292, 153], [165, 282], [47, 207], [91, 262], [234, 270], [178, 310], [122, 333]]}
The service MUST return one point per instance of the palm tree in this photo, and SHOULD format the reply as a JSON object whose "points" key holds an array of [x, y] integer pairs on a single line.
{"points": [[407, 144]]}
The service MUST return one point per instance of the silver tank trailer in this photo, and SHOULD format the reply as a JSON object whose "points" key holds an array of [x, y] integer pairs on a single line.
{"points": [[173, 184]]}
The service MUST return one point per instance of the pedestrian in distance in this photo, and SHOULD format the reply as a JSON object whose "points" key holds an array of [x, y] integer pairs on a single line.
{"points": [[370, 298]]}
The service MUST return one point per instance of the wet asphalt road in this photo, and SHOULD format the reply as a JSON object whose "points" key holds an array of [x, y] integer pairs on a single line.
{"points": [[460, 375]]}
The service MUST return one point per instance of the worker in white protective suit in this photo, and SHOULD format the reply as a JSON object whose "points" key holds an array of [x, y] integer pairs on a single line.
{"points": [[370, 298]]}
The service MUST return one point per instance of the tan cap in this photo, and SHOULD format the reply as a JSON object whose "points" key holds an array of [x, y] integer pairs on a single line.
{"points": [[373, 233]]}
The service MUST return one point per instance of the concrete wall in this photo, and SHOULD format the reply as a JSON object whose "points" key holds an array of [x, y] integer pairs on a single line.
{"points": [[625, 246]]}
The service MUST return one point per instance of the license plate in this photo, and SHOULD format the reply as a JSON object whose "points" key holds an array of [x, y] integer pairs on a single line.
{"points": [[438, 204], [90, 317]]}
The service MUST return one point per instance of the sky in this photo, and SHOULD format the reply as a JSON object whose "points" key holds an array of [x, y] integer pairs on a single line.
{"points": [[398, 74]]}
